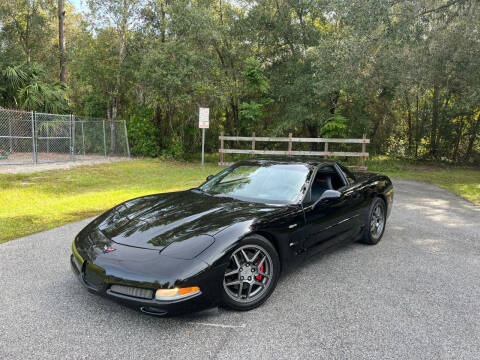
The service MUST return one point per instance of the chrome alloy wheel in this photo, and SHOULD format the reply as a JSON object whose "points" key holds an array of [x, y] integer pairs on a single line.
{"points": [[377, 221], [248, 274]]}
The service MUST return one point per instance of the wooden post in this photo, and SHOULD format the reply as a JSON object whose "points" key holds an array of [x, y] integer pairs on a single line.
{"points": [[364, 150], [290, 144], [221, 148], [253, 143], [326, 150]]}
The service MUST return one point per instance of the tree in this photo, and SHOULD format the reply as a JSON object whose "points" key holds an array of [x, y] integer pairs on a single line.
{"points": [[26, 87], [122, 16], [25, 23], [61, 40], [404, 72]]}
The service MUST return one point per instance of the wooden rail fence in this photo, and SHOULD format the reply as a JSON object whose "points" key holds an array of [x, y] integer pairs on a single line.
{"points": [[289, 152]]}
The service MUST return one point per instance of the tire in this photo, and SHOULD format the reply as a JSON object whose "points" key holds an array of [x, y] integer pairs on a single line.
{"points": [[251, 275], [376, 222]]}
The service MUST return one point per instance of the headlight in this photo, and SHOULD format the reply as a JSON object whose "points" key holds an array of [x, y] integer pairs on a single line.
{"points": [[75, 252], [176, 293]]}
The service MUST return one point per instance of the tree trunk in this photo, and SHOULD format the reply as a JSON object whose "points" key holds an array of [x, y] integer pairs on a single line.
{"points": [[409, 123], [116, 100], [433, 132], [313, 132], [473, 137], [457, 141], [113, 137], [334, 101], [417, 126], [164, 25], [235, 115], [61, 40]]}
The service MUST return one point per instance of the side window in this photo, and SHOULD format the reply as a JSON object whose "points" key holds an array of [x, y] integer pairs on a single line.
{"points": [[348, 175], [337, 181], [327, 178]]}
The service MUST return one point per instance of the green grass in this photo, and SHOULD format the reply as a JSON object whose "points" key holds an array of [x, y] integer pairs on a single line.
{"points": [[463, 181], [35, 202]]}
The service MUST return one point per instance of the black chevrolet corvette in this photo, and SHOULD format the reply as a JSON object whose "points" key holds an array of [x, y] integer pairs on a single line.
{"points": [[227, 241]]}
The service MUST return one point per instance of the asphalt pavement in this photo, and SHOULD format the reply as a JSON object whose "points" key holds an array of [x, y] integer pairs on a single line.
{"points": [[415, 295]]}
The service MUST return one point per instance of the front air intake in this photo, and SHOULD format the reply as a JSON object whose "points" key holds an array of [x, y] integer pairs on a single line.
{"points": [[132, 291]]}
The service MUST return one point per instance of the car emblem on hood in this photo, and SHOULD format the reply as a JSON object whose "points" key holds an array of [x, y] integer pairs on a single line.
{"points": [[107, 249]]}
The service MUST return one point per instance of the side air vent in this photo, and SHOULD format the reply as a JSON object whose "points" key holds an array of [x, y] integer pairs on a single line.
{"points": [[132, 291]]}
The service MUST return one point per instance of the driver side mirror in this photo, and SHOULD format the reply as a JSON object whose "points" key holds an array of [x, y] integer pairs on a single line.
{"points": [[328, 195], [209, 177]]}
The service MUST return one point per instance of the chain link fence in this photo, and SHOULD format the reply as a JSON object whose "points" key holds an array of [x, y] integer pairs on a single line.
{"points": [[31, 137]]}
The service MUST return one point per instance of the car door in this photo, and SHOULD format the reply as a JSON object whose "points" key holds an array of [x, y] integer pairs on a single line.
{"points": [[330, 220], [356, 195]]}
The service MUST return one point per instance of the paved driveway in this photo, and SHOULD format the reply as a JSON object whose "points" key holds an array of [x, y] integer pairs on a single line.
{"points": [[415, 295]]}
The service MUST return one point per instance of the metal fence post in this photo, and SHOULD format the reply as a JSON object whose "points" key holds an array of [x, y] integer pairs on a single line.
{"points": [[10, 140], [72, 131], [126, 137], [326, 149], [83, 139], [70, 137], [48, 137], [104, 140], [34, 147]]}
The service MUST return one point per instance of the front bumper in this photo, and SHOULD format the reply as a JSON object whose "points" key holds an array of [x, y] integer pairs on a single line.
{"points": [[99, 280]]}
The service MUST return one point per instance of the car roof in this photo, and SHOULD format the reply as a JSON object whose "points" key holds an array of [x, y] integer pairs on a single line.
{"points": [[312, 161]]}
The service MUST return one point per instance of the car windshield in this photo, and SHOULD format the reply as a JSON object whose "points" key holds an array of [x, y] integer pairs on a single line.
{"points": [[269, 183]]}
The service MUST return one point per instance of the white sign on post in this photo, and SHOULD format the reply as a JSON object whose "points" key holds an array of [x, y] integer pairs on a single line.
{"points": [[203, 123], [203, 118]]}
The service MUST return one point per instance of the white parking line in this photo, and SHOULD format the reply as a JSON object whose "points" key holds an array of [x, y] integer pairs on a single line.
{"points": [[221, 325]]}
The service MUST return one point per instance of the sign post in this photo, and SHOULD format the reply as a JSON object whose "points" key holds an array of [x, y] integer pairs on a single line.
{"points": [[203, 123]]}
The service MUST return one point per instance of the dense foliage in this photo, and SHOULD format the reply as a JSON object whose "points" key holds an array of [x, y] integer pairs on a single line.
{"points": [[404, 72]]}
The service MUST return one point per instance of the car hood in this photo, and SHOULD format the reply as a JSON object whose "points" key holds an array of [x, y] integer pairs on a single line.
{"points": [[156, 221]]}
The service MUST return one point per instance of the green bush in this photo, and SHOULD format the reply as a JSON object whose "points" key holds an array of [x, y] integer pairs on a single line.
{"points": [[143, 136], [174, 150]]}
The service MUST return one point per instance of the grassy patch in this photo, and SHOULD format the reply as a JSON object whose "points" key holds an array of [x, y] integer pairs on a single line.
{"points": [[35, 202], [463, 181]]}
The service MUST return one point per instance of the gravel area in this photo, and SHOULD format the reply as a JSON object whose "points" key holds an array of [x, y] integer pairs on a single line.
{"points": [[31, 168], [415, 295]]}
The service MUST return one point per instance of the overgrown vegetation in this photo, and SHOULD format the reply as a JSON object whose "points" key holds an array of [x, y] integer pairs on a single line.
{"points": [[403, 72]]}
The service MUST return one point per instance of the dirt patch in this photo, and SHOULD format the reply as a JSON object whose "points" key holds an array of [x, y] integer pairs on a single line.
{"points": [[30, 168]]}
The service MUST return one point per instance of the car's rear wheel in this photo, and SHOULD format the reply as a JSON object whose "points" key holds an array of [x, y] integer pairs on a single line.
{"points": [[375, 225], [251, 275]]}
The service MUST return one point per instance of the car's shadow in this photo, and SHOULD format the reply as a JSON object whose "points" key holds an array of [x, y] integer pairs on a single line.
{"points": [[94, 308]]}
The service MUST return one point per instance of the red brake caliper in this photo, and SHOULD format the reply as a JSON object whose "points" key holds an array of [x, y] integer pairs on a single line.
{"points": [[260, 277]]}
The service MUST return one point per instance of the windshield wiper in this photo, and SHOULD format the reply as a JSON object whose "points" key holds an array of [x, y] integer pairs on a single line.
{"points": [[231, 181], [201, 191]]}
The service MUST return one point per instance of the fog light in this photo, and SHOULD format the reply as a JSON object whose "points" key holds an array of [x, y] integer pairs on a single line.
{"points": [[176, 293]]}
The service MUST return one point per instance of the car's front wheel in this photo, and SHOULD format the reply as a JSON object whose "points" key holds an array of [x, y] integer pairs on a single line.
{"points": [[251, 275]]}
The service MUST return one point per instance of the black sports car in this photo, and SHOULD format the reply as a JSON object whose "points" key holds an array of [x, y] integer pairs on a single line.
{"points": [[227, 241]]}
